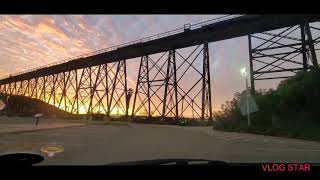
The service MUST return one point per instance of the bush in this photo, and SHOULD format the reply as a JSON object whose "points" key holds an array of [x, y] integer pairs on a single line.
{"points": [[289, 108]]}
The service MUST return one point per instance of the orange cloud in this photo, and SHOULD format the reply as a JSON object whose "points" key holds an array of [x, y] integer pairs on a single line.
{"points": [[4, 73], [44, 28]]}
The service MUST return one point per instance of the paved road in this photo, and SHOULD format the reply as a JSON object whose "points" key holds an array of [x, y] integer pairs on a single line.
{"points": [[103, 144]]}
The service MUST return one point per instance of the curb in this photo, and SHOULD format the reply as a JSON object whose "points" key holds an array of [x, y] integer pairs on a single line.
{"points": [[34, 130]]}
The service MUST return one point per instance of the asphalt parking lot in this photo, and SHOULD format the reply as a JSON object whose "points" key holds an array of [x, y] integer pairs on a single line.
{"points": [[104, 144]]}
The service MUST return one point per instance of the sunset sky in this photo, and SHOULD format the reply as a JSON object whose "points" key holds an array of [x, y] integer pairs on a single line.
{"points": [[28, 41]]}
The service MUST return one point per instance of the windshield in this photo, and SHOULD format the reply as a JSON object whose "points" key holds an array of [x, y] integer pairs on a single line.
{"points": [[102, 89]]}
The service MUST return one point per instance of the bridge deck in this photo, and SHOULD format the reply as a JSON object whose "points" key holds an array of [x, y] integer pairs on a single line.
{"points": [[231, 28]]}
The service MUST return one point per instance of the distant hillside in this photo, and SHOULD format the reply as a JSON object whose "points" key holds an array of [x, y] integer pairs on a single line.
{"points": [[25, 106]]}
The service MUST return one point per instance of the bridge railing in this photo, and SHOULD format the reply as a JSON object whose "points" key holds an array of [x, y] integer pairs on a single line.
{"points": [[142, 40]]}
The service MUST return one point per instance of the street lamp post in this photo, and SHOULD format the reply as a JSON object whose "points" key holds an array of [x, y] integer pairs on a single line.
{"points": [[128, 97], [244, 73], [7, 105]]}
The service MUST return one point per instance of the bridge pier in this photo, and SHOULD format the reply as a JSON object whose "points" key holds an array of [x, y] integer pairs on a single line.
{"points": [[279, 55], [206, 110], [159, 92]]}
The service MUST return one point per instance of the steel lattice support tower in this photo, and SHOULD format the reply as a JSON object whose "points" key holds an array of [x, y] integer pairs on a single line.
{"points": [[162, 94], [206, 86], [285, 52]]}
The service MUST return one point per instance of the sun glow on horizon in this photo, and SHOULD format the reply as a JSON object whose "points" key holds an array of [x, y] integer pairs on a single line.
{"points": [[82, 110]]}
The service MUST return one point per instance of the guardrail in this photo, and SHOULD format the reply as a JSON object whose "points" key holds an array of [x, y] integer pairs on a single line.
{"points": [[142, 40]]}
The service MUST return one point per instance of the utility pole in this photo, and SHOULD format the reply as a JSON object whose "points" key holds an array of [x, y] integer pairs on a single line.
{"points": [[7, 105]]}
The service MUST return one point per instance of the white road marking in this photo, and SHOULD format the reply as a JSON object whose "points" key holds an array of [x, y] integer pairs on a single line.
{"points": [[227, 136], [238, 137], [288, 149], [250, 139], [227, 139], [235, 137]]}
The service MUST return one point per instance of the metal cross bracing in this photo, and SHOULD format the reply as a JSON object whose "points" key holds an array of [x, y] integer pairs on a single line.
{"points": [[281, 54], [166, 88], [93, 90]]}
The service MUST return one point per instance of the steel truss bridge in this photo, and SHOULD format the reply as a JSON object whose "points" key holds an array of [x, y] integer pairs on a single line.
{"points": [[96, 83]]}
